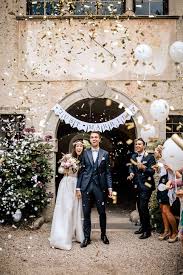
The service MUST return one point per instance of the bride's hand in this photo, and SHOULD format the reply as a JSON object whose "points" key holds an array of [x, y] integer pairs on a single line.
{"points": [[78, 194]]}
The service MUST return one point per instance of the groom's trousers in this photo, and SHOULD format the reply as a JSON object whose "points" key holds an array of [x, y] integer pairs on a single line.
{"points": [[93, 193]]}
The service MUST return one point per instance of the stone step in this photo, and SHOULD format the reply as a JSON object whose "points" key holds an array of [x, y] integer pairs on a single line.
{"points": [[121, 225]]}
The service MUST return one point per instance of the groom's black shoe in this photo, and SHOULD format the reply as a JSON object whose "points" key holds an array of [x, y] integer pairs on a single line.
{"points": [[104, 239], [145, 235], [139, 231], [85, 242]]}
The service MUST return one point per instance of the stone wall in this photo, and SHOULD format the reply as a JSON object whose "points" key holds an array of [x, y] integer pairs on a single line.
{"points": [[37, 73]]}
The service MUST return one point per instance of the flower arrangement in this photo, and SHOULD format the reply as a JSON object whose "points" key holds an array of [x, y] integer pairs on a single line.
{"points": [[68, 162]]}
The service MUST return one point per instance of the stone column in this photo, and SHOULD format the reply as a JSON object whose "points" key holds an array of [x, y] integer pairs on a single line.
{"points": [[129, 8], [48, 211], [172, 7]]}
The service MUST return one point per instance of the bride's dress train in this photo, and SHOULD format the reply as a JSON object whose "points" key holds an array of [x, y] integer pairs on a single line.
{"points": [[67, 217]]}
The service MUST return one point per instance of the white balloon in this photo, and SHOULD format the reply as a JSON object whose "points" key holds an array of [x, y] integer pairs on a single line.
{"points": [[159, 109], [143, 52], [176, 51], [17, 216], [147, 132], [162, 187], [172, 154]]}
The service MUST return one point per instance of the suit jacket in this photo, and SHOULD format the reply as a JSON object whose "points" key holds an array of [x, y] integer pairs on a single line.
{"points": [[104, 174], [143, 179]]}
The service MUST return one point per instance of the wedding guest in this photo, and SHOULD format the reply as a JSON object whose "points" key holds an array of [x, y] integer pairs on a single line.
{"points": [[169, 221], [67, 217], [178, 182], [180, 196], [141, 172]]}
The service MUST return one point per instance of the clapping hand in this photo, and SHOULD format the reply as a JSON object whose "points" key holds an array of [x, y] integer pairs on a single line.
{"points": [[169, 184], [141, 166], [110, 192], [130, 177], [168, 167]]}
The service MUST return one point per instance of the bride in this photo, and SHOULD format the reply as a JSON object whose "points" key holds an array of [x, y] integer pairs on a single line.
{"points": [[67, 220]]}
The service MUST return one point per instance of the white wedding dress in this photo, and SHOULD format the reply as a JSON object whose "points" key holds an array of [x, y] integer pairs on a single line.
{"points": [[67, 217]]}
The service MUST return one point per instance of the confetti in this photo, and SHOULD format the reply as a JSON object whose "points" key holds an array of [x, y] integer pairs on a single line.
{"points": [[129, 141]]}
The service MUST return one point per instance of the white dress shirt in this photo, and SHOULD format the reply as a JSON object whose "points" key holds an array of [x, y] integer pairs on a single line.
{"points": [[140, 156], [95, 153]]}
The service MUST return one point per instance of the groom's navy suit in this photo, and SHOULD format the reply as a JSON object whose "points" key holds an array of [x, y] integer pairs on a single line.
{"points": [[145, 184], [93, 180]]}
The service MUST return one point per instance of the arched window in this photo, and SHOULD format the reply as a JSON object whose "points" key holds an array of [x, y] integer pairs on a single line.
{"points": [[151, 7]]}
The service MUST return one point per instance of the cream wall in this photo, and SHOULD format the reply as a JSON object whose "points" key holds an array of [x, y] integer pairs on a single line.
{"points": [[54, 50], [28, 86]]}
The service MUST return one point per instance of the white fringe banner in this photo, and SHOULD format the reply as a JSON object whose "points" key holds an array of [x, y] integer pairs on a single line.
{"points": [[101, 127]]}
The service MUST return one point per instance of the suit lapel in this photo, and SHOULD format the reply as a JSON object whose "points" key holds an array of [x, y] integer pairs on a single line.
{"points": [[89, 153], [100, 156]]}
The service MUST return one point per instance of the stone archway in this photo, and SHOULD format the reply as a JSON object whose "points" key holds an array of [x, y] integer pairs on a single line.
{"points": [[52, 124]]}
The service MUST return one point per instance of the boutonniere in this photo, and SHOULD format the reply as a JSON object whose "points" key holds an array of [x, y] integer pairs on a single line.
{"points": [[145, 154]]}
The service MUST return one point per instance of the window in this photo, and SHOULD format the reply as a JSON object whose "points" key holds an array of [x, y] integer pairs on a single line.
{"points": [[78, 7], [151, 7], [103, 7], [11, 125], [174, 125]]}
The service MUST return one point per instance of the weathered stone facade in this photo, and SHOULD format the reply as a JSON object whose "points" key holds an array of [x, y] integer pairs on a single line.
{"points": [[44, 61]]}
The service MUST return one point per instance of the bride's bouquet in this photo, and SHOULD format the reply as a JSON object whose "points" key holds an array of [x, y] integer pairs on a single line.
{"points": [[68, 164]]}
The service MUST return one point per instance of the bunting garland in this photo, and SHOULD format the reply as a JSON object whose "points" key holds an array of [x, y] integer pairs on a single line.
{"points": [[101, 127]]}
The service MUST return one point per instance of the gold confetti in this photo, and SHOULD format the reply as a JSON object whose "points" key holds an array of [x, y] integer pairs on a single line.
{"points": [[130, 125], [129, 141], [108, 102], [168, 128], [148, 184]]}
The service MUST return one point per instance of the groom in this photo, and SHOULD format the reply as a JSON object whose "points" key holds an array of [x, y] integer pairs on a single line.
{"points": [[93, 180]]}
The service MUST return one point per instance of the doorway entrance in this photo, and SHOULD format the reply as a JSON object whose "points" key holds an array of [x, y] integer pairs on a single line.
{"points": [[118, 142]]}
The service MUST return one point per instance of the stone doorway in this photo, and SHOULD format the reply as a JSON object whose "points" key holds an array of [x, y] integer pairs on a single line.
{"points": [[116, 142]]}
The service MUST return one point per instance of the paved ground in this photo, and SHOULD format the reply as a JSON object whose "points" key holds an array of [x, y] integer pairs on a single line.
{"points": [[28, 252]]}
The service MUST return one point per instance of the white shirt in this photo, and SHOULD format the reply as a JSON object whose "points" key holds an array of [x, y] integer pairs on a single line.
{"points": [[139, 158], [95, 153]]}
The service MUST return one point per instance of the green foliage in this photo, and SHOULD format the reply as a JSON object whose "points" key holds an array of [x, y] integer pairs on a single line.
{"points": [[24, 173]]}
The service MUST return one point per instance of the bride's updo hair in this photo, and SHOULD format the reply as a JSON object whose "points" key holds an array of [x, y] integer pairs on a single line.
{"points": [[74, 147]]}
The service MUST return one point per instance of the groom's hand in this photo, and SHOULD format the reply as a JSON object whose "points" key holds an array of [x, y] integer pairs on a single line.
{"points": [[78, 194], [110, 192]]}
